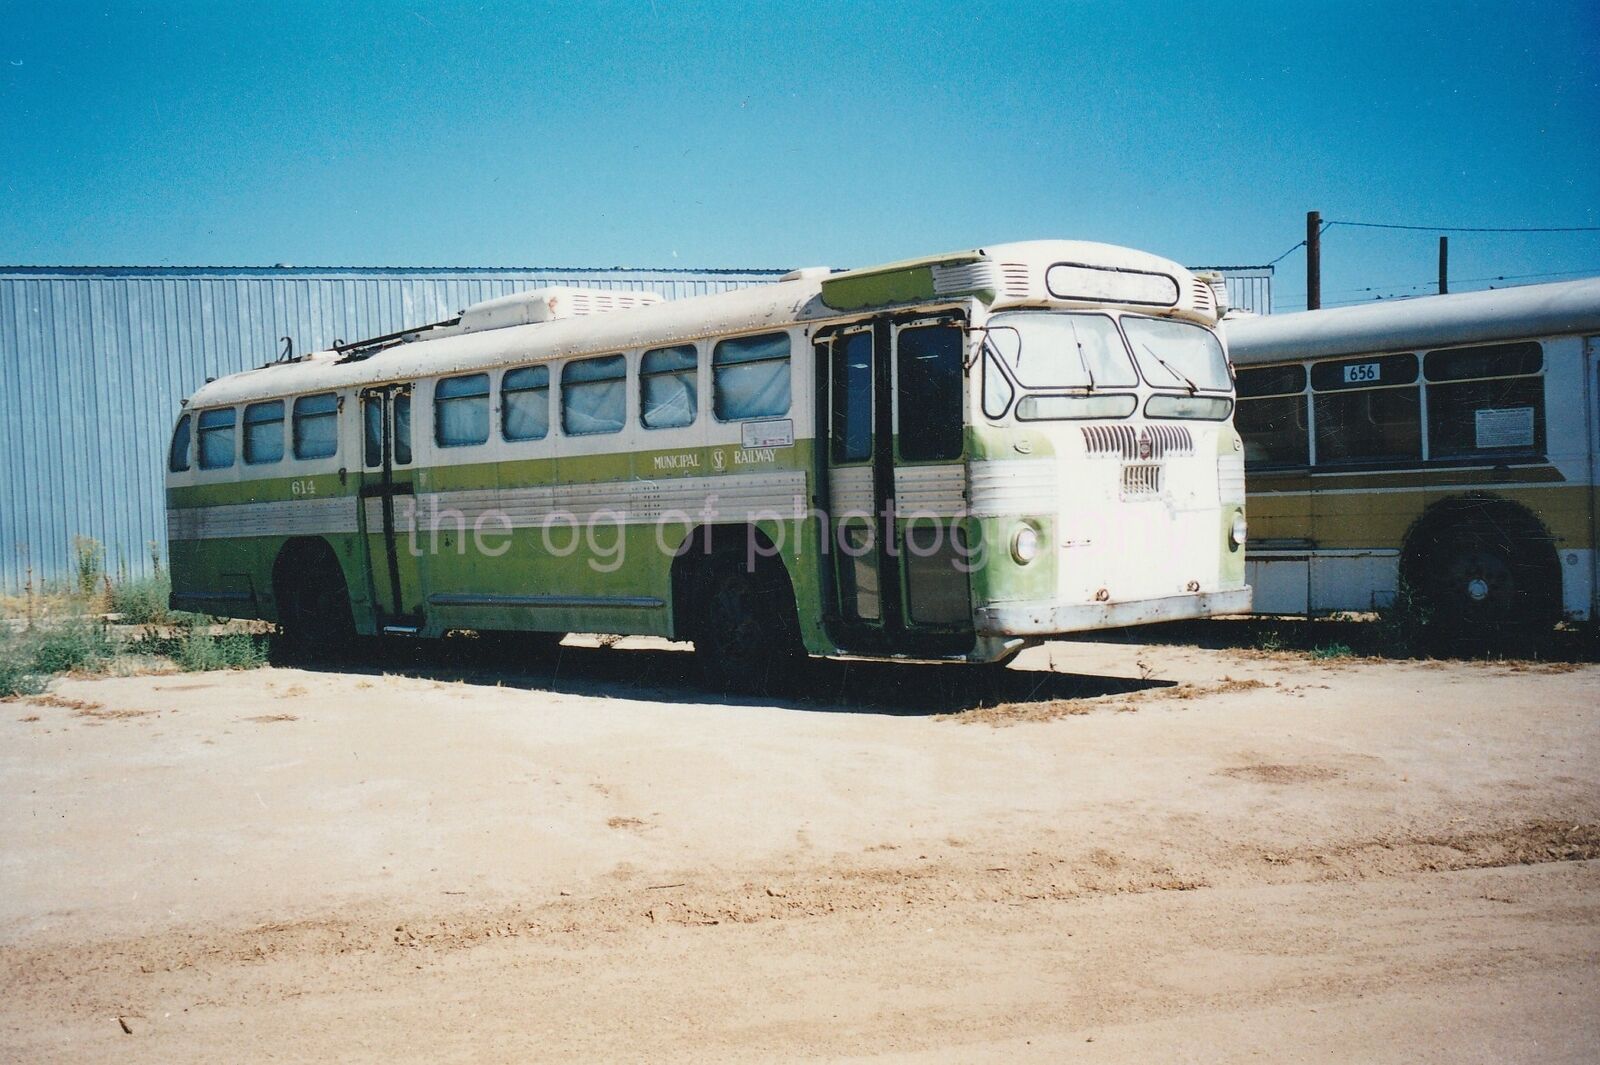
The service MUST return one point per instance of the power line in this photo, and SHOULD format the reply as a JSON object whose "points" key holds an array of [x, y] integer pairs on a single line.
{"points": [[1467, 229], [1301, 244], [1595, 270], [1401, 291], [1285, 255], [1327, 225]]}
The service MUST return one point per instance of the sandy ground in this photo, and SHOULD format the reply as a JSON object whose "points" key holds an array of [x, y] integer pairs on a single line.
{"points": [[1146, 853]]}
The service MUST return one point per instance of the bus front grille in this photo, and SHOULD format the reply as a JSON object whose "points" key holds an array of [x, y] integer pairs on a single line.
{"points": [[1151, 442], [1141, 480]]}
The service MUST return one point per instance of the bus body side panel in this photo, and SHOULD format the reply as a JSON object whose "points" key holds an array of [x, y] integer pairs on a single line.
{"points": [[1332, 539], [224, 540]]}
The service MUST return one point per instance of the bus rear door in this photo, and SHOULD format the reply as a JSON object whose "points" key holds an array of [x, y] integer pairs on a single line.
{"points": [[390, 522]]}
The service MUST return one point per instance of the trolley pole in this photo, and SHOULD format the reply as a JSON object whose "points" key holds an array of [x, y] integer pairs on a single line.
{"points": [[1444, 265], [1313, 260]]}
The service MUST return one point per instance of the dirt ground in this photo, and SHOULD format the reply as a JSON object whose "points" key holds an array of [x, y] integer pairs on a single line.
{"points": [[1142, 853]]}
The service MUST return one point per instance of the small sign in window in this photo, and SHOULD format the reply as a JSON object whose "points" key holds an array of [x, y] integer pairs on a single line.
{"points": [[1504, 428], [767, 434], [1363, 373]]}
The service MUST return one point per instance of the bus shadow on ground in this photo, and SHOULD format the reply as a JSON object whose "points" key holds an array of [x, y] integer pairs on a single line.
{"points": [[670, 675], [1359, 636]]}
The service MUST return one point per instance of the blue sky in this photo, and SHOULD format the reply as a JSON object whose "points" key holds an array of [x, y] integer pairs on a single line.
{"points": [[651, 133]]}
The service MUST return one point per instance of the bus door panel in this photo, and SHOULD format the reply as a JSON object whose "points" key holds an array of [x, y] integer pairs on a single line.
{"points": [[897, 577], [855, 531], [930, 473], [389, 509]]}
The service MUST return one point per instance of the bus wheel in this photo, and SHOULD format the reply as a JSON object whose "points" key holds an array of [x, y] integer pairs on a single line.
{"points": [[314, 618], [1482, 584], [748, 637]]}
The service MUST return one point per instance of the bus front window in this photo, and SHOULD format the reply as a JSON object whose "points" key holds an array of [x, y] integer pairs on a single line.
{"points": [[1062, 350], [1176, 354]]}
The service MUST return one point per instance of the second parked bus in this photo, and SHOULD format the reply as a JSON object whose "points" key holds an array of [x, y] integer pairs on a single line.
{"points": [[1446, 445]]}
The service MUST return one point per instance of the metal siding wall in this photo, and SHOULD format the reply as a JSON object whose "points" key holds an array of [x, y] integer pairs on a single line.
{"points": [[93, 364]]}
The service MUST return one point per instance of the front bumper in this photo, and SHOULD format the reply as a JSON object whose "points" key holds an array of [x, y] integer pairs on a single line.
{"points": [[1050, 618]]}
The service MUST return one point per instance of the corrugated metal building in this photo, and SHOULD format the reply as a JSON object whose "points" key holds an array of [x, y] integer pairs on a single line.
{"points": [[93, 363], [94, 360]]}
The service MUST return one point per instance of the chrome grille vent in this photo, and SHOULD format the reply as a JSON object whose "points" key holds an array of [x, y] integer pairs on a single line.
{"points": [[1141, 479], [1169, 440], [1111, 441], [961, 278], [1152, 443]]}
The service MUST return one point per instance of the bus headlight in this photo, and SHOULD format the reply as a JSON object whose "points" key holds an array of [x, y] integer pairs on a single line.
{"points": [[1025, 545], [1241, 530]]}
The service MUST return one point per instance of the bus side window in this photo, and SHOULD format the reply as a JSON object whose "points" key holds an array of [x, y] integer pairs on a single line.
{"points": [[750, 377], [1271, 416], [1486, 400], [668, 387], [1367, 409], [216, 438], [594, 396], [316, 426], [525, 403], [178, 458], [928, 392], [1372, 425], [263, 433], [461, 411]]}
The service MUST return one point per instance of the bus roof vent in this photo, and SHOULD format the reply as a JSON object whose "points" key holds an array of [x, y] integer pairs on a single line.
{"points": [[548, 304], [1016, 280], [1210, 292], [806, 273]]}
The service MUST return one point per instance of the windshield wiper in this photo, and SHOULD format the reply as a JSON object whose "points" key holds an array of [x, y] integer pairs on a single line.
{"points": [[1193, 388], [1083, 360]]}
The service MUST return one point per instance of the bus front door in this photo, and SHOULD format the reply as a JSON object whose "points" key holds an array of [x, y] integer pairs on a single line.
{"points": [[390, 522], [892, 462]]}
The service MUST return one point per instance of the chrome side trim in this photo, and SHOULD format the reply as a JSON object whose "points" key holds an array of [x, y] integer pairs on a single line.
{"points": [[630, 602], [1015, 486], [937, 490], [289, 517]]}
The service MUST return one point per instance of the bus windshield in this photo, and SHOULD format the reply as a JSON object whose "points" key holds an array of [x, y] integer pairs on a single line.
{"points": [[1046, 350], [1177, 354]]}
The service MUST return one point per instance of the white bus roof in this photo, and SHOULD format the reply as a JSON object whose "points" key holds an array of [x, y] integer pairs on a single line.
{"points": [[1425, 322], [1014, 274]]}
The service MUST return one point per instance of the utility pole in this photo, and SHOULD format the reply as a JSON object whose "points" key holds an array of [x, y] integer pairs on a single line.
{"points": [[1313, 260], [1444, 265]]}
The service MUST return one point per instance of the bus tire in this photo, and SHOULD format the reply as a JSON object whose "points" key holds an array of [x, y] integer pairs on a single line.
{"points": [[747, 638], [1490, 581], [315, 622]]}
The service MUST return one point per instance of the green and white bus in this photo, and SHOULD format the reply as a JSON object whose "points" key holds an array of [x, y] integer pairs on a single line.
{"points": [[941, 459]]}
